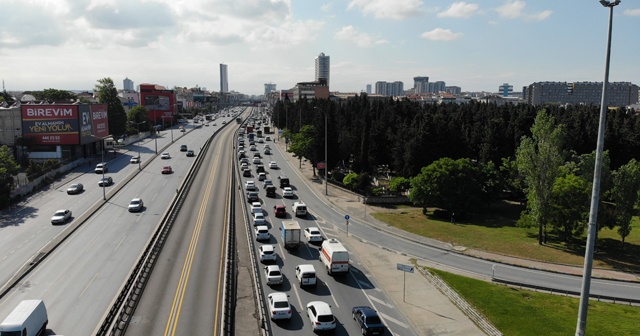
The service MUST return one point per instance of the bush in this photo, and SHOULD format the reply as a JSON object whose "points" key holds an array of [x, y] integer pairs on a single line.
{"points": [[350, 180]]}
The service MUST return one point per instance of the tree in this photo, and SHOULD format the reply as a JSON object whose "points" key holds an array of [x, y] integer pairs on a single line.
{"points": [[399, 184], [351, 180], [570, 206], [108, 94], [138, 118], [301, 142], [54, 95], [626, 186], [539, 159], [453, 185], [8, 168]]}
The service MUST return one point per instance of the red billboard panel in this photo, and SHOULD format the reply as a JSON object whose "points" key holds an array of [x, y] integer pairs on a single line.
{"points": [[51, 124], [94, 123]]}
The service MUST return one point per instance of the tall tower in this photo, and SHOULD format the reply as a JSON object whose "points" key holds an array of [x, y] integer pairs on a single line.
{"points": [[322, 68], [224, 78], [421, 84], [127, 84]]}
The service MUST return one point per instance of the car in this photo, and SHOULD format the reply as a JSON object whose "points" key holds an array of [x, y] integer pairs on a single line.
{"points": [[246, 172], [287, 192], [260, 140], [262, 176], [368, 320], [313, 234], [252, 148], [105, 181], [266, 183], [267, 252], [244, 166], [167, 170], [280, 211], [267, 151], [250, 185], [262, 233], [182, 129], [273, 165], [273, 275], [165, 156], [258, 218], [183, 148], [256, 207], [279, 307], [61, 216], [244, 160], [191, 153], [321, 317], [102, 168], [252, 196], [267, 146], [267, 138], [260, 169], [75, 188], [135, 159], [215, 124], [136, 205], [256, 155], [224, 122]]}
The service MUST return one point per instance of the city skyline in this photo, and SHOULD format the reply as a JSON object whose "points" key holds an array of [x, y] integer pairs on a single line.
{"points": [[477, 46]]}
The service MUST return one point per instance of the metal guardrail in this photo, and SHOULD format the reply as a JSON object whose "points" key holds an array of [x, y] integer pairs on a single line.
{"points": [[230, 293]]}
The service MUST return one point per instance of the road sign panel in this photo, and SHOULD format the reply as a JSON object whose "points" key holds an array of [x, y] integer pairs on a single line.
{"points": [[346, 217], [405, 268]]}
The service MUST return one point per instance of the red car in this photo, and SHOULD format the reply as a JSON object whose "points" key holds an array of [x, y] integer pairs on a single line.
{"points": [[280, 211], [167, 170]]}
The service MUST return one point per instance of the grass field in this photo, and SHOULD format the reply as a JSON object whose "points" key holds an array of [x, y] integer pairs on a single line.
{"points": [[522, 312], [495, 230]]}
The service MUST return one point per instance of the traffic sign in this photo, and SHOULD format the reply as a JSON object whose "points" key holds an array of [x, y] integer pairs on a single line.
{"points": [[405, 268], [346, 217]]}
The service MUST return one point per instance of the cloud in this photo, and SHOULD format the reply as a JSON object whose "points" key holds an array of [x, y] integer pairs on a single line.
{"points": [[383, 9], [632, 12], [460, 10], [539, 16], [350, 34], [440, 34], [511, 9]]}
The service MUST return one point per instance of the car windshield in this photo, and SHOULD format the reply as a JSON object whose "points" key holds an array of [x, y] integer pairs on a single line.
{"points": [[325, 318], [274, 273], [281, 304], [314, 232], [59, 213], [135, 202], [373, 320]]}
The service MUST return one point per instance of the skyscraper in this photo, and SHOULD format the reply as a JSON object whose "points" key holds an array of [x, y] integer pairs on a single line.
{"points": [[322, 68], [127, 84], [224, 78], [421, 84], [268, 88]]}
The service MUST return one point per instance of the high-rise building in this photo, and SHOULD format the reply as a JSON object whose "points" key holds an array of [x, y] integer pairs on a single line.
{"points": [[390, 89], [127, 84], [435, 87], [368, 88], [322, 68], [421, 84], [224, 78], [505, 90], [268, 88], [454, 90], [618, 93]]}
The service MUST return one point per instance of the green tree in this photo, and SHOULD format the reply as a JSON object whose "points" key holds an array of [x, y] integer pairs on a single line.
{"points": [[300, 143], [626, 186], [108, 94], [138, 118], [539, 159], [54, 95], [570, 206], [8, 168], [351, 180], [399, 184], [453, 185]]}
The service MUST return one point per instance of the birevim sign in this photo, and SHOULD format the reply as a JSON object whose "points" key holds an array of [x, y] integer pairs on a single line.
{"points": [[64, 124]]}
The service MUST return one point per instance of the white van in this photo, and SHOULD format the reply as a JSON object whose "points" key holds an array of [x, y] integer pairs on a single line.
{"points": [[299, 209], [28, 318], [334, 256], [306, 275]]}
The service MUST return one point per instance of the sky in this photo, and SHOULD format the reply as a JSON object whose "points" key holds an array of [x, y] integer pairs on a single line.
{"points": [[476, 45]]}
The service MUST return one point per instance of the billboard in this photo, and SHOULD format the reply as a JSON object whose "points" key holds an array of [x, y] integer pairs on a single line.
{"points": [[51, 124], [94, 123], [157, 102]]}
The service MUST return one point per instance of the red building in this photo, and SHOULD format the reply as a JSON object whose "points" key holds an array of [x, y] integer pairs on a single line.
{"points": [[160, 102]]}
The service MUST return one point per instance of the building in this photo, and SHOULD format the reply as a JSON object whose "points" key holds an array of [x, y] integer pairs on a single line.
{"points": [[368, 89], [310, 90], [505, 90], [268, 88], [454, 90], [390, 89], [224, 79], [160, 102], [435, 87], [420, 85], [581, 93], [10, 124], [323, 68], [127, 84]]}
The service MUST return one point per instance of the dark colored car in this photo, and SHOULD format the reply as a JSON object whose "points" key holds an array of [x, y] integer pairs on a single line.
{"points": [[75, 188], [271, 191], [280, 211], [368, 320], [191, 153], [260, 169], [246, 173], [183, 148], [252, 196]]}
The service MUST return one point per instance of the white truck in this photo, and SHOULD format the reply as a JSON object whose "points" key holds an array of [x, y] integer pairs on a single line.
{"points": [[299, 209], [28, 318], [334, 256], [290, 231]]}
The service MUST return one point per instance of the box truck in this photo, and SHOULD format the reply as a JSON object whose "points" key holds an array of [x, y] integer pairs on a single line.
{"points": [[290, 231], [28, 318], [334, 256]]}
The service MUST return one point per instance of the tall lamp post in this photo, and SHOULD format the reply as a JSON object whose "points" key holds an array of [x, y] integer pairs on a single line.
{"points": [[326, 164], [139, 155], [595, 192], [104, 191], [170, 127]]}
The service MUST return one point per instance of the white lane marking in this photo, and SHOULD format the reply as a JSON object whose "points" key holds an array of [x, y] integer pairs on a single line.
{"points": [[333, 297], [381, 302], [120, 243], [154, 196], [389, 318], [88, 284], [282, 251], [365, 285], [295, 290]]}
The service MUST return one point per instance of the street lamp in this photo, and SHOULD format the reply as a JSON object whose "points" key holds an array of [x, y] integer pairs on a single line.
{"points": [[104, 191], [595, 192], [171, 127], [326, 164]]}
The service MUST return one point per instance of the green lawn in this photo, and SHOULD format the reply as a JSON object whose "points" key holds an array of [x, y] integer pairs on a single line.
{"points": [[522, 312], [494, 230]]}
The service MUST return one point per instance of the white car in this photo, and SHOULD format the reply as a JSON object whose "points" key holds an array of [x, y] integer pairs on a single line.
{"points": [[135, 159], [165, 156], [267, 138], [279, 306], [136, 205], [262, 176], [102, 168], [256, 160], [250, 185], [258, 218], [313, 234], [252, 147], [287, 192], [267, 252], [260, 140], [256, 207], [266, 146], [61, 216], [273, 165], [321, 316], [273, 275], [262, 232]]}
